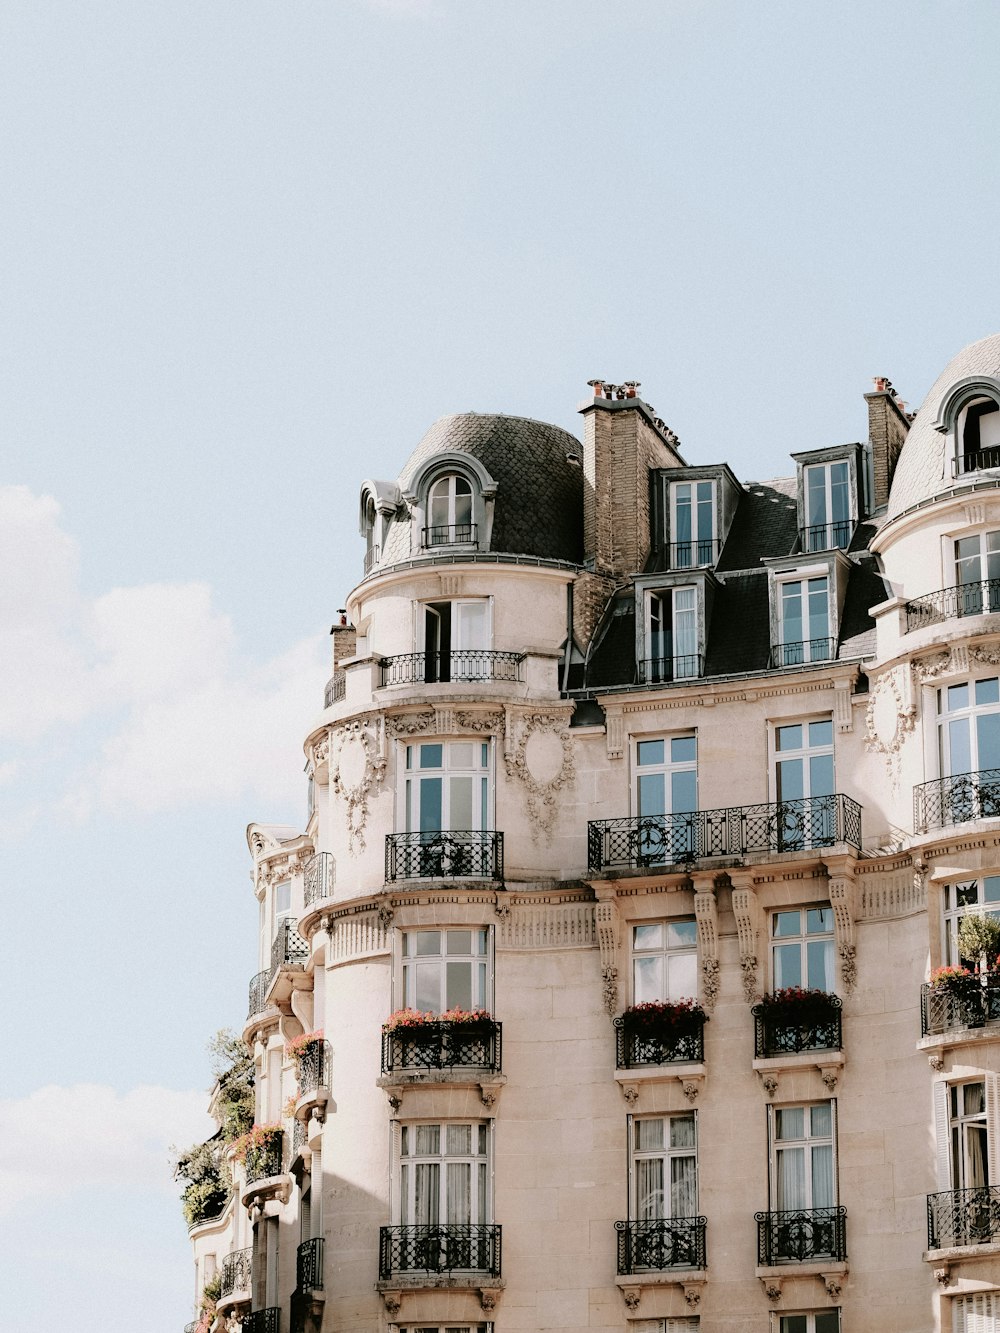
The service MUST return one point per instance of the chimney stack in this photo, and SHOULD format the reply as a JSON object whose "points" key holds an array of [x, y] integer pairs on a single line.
{"points": [[888, 426]]}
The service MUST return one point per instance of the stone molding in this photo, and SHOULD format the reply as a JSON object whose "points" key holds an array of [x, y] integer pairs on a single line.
{"points": [[706, 913], [555, 925], [890, 717], [606, 922], [540, 792], [357, 769], [883, 894]]}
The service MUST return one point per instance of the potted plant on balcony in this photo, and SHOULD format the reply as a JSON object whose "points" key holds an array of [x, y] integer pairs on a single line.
{"points": [[260, 1150], [797, 1018], [417, 1025], [954, 981], [979, 940], [659, 1031]]}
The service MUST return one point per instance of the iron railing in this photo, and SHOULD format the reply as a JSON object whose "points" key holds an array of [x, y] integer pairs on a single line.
{"points": [[693, 554], [970, 1003], [443, 1045], [262, 1321], [432, 668], [803, 652], [963, 1217], [266, 1161], [445, 1247], [299, 1138], [372, 556], [965, 599], [827, 536], [977, 461], [449, 534], [664, 670], [800, 1235], [636, 841], [288, 947], [675, 1242], [447, 854], [314, 1061], [309, 1265], [319, 878], [336, 689], [639, 1044], [814, 1028], [959, 799], [237, 1271], [258, 992], [190, 1328]]}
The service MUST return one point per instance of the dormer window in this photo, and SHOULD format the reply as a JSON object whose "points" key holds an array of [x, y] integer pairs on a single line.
{"points": [[978, 436], [671, 636], [803, 621], [829, 521], [692, 524], [449, 512]]}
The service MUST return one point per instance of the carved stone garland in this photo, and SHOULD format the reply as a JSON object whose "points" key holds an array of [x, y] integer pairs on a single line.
{"points": [[841, 892], [542, 761], [746, 909], [706, 914], [606, 921], [357, 767], [889, 718]]}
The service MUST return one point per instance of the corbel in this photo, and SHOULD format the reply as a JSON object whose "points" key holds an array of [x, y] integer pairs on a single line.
{"points": [[615, 733], [392, 1300], [632, 1296], [692, 1293], [772, 1288], [747, 911], [842, 711], [833, 1282], [840, 870], [706, 914], [489, 503], [606, 920]]}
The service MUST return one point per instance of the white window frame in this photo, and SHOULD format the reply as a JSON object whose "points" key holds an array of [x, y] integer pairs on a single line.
{"points": [[961, 898], [480, 964], [793, 834], [802, 940], [815, 648], [410, 788], [777, 1147], [640, 1211], [450, 482], [943, 1126], [669, 840], [461, 636], [778, 1318], [830, 524], [660, 603], [671, 957], [698, 539], [405, 1201], [990, 450], [972, 711]]}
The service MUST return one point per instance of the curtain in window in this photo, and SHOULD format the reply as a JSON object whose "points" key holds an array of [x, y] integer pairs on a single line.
{"points": [[649, 1194], [791, 1182]]}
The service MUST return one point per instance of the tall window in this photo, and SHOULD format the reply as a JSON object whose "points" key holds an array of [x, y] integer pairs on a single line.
{"points": [[445, 969], [664, 961], [672, 635], [976, 1314], [967, 1137], [447, 786], [449, 512], [802, 948], [281, 904], [664, 1168], [804, 785], [444, 1178], [802, 1157], [828, 505], [977, 573], [692, 524], [970, 898], [969, 727], [666, 789], [804, 621], [452, 637], [979, 435]]}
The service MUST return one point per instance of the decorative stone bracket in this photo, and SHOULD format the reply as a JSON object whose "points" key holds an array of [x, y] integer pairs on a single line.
{"points": [[747, 912], [607, 923], [769, 1071], [706, 913], [843, 902], [772, 1288]]}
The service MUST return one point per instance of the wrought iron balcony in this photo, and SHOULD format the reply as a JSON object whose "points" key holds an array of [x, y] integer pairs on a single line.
{"points": [[665, 670], [266, 1161], [449, 534], [288, 947], [237, 1271], [977, 461], [442, 1045], [314, 1061], [372, 556], [637, 841], [968, 1004], [262, 1321], [963, 1217], [692, 554], [299, 1138], [448, 854], [309, 1265], [336, 689], [676, 1242], [966, 599], [258, 992], [453, 667], [803, 652], [800, 1235], [319, 878], [639, 1044], [190, 1328], [960, 799], [809, 1027], [446, 1247], [827, 536]]}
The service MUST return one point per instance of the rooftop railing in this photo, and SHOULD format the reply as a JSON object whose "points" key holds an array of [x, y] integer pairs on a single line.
{"points": [[963, 1217], [318, 878], [446, 1248], [801, 1235], [665, 670], [237, 1270], [967, 1003], [448, 534], [803, 652], [959, 799], [457, 666], [827, 536], [443, 1045], [964, 599], [448, 854], [676, 1242], [637, 841]]}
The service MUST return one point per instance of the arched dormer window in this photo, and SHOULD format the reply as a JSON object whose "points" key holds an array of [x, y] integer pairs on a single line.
{"points": [[970, 414], [451, 504], [449, 512], [380, 500]]}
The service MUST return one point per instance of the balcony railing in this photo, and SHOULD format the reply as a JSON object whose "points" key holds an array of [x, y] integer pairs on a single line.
{"points": [[314, 1063], [966, 599], [638, 1044], [372, 556], [812, 1029], [676, 1242], [827, 536], [693, 554], [336, 689], [977, 461], [266, 1161], [258, 992], [448, 854], [300, 1135], [449, 534], [236, 1272], [451, 667], [288, 947], [637, 841], [956, 800], [803, 652], [665, 670], [800, 1235], [309, 1265], [262, 1321], [442, 1045], [970, 1005], [963, 1217], [319, 878], [446, 1247]]}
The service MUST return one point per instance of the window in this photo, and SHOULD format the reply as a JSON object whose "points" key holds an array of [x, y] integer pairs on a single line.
{"points": [[967, 1136], [803, 1174], [802, 948], [444, 1186], [664, 1168], [970, 898], [979, 435], [692, 524], [804, 785], [449, 512], [446, 1328], [679, 1324], [966, 1121], [672, 635], [969, 742], [666, 789], [452, 637], [819, 1321], [664, 961], [447, 786], [281, 903], [372, 550], [977, 573], [445, 969], [829, 521], [804, 621], [976, 1314]]}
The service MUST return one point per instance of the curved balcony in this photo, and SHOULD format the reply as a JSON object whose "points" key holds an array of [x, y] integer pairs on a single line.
{"points": [[319, 878], [969, 1004], [978, 460], [449, 534], [808, 1025], [638, 841], [336, 689], [456, 667], [236, 1277], [652, 1246], [262, 1321], [446, 1249], [442, 1045], [444, 854], [960, 799], [963, 1217], [258, 992], [801, 1235], [639, 1043], [965, 599]]}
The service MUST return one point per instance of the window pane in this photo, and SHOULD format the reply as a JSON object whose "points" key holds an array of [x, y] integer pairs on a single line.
{"points": [[821, 775], [461, 755], [650, 752], [430, 805], [682, 982], [428, 1139], [988, 741], [459, 1140], [648, 979], [789, 738], [426, 987], [459, 988], [458, 941], [822, 1176], [652, 794], [684, 934], [789, 1122], [683, 749], [988, 691], [821, 1121], [786, 923], [958, 697], [460, 814], [820, 733], [819, 965], [683, 791], [819, 920], [431, 756], [959, 747], [682, 1131], [647, 937], [827, 1321], [426, 941], [991, 886], [648, 1135], [793, 1323]]}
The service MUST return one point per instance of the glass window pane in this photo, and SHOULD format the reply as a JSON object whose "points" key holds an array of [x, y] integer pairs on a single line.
{"points": [[819, 965], [991, 887], [821, 775], [793, 1323], [648, 979], [789, 1122], [647, 937], [790, 780], [426, 987], [959, 747], [683, 791], [988, 741], [460, 794], [650, 752], [787, 966], [827, 1321], [819, 920], [428, 1139], [821, 733], [682, 976], [684, 934], [459, 1140], [431, 798], [431, 756], [988, 691], [461, 754], [648, 1135], [426, 941], [821, 1121], [958, 697], [683, 749], [786, 923], [459, 987], [682, 1131], [651, 793], [458, 941], [967, 894]]}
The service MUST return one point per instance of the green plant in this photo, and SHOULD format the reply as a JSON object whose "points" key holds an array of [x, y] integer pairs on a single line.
{"points": [[208, 1181], [955, 980], [211, 1292], [232, 1065], [261, 1138], [978, 934]]}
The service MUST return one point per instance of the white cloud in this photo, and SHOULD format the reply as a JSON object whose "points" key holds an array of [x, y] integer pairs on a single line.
{"points": [[95, 1139]]}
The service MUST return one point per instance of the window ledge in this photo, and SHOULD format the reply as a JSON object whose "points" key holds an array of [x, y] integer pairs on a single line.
{"points": [[689, 1075], [960, 1253], [486, 1083], [770, 1068]]}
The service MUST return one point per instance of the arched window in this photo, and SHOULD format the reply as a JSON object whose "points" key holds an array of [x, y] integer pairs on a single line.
{"points": [[449, 512], [372, 549], [978, 435]]}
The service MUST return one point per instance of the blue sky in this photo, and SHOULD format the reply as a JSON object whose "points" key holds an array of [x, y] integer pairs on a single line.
{"points": [[249, 250]]}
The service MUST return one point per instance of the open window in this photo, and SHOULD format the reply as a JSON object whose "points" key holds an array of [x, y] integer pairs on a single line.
{"points": [[454, 638]]}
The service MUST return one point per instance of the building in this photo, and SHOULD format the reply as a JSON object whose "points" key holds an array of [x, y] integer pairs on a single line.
{"points": [[608, 731]]}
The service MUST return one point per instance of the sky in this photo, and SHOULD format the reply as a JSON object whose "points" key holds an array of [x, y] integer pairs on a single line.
{"points": [[249, 251]]}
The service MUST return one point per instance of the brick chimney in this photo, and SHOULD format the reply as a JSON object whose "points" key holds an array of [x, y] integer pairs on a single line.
{"points": [[345, 639], [888, 426]]}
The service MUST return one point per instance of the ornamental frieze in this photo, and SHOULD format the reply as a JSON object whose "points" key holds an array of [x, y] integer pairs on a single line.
{"points": [[889, 718], [540, 758], [357, 767]]}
